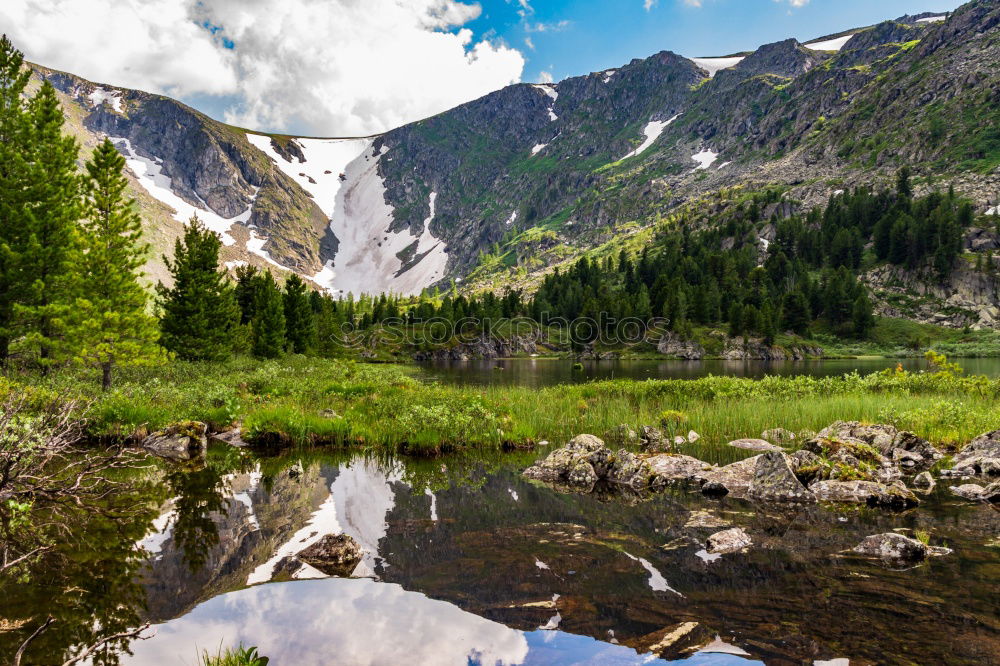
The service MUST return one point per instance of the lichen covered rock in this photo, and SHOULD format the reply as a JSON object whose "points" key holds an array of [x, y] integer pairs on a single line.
{"points": [[334, 554], [180, 441]]}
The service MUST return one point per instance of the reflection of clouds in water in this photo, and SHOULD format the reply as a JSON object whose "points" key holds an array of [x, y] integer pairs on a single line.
{"points": [[346, 621]]}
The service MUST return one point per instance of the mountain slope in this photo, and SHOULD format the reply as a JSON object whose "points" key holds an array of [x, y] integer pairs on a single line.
{"points": [[506, 186]]}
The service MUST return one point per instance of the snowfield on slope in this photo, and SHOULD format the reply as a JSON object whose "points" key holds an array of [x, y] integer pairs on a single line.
{"points": [[149, 173], [342, 177], [835, 44], [653, 130], [713, 65], [705, 158]]}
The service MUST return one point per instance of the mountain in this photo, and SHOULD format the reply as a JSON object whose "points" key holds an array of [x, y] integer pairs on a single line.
{"points": [[501, 189]]}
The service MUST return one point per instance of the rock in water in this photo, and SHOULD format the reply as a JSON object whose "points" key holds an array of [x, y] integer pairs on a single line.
{"points": [[774, 481], [733, 479], [924, 481], [866, 492], [754, 445], [232, 437], [893, 547], [629, 469], [728, 541], [180, 441], [666, 467], [977, 493], [651, 439], [980, 456], [334, 555], [580, 463]]}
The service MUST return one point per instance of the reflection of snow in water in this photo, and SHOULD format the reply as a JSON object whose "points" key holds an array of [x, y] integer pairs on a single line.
{"points": [[719, 646], [540, 564], [657, 582], [707, 556], [513, 493], [162, 528], [434, 503]]}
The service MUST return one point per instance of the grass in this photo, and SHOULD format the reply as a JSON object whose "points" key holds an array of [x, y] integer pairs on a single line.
{"points": [[285, 402], [241, 656]]}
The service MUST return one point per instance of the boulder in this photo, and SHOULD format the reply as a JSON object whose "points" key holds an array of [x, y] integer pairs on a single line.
{"points": [[629, 469], [622, 435], [924, 481], [806, 465], [232, 437], [670, 467], [334, 555], [680, 441], [734, 479], [728, 541], [693, 437], [778, 435], [774, 481], [581, 462], [977, 493], [892, 547], [754, 445], [865, 492], [890, 442], [980, 456], [180, 441]]}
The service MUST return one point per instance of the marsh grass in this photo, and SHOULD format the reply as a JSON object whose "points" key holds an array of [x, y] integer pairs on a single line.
{"points": [[387, 407], [241, 656]]}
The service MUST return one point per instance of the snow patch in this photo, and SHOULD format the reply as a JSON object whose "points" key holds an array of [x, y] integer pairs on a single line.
{"points": [[162, 528], [834, 44], [993, 211], [722, 166], [256, 245], [541, 565], [713, 65], [554, 94], [512, 218], [933, 19], [100, 96], [608, 74], [657, 582], [324, 277], [434, 503], [149, 173], [652, 130], [705, 158], [323, 521], [539, 147], [708, 557], [719, 646], [513, 493], [235, 264]]}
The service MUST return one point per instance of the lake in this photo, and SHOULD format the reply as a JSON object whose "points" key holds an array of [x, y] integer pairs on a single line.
{"points": [[469, 563], [540, 372]]}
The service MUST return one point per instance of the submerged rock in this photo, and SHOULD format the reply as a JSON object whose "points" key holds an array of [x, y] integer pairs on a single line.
{"points": [[865, 492], [180, 441], [728, 541], [232, 437], [585, 460], [334, 555], [896, 548]]}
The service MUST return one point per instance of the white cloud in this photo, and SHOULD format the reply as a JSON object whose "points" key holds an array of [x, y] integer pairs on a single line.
{"points": [[649, 4], [325, 67], [545, 77], [529, 43]]}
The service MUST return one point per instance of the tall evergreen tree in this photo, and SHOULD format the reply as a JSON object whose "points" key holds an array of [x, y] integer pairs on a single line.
{"points": [[199, 310], [862, 316], [49, 256], [13, 182], [269, 320], [300, 327], [109, 326]]}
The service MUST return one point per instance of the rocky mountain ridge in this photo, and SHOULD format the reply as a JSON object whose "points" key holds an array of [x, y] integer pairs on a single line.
{"points": [[572, 162]]}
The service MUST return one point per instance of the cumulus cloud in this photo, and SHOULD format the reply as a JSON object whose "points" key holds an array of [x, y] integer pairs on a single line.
{"points": [[324, 67]]}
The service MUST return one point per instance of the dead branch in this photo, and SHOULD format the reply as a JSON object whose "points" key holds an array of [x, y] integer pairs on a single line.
{"points": [[135, 633], [20, 651]]}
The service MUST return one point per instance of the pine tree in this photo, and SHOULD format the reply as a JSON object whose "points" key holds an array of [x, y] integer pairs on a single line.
{"points": [[13, 183], [109, 326], [795, 312], [269, 320], [50, 254], [300, 328], [903, 187], [199, 310], [862, 316]]}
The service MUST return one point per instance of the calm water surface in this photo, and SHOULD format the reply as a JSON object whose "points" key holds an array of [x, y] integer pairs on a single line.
{"points": [[539, 372], [468, 563]]}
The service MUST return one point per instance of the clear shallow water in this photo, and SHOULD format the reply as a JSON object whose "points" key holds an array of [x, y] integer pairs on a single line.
{"points": [[468, 563], [540, 372]]}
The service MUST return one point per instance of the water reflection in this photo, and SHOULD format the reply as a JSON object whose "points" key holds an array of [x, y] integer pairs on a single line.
{"points": [[360, 621], [539, 372]]}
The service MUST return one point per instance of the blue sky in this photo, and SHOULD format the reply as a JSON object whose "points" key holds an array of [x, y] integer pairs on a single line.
{"points": [[358, 67], [572, 37]]}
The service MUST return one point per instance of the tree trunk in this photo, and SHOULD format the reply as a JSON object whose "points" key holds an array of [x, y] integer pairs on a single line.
{"points": [[106, 379]]}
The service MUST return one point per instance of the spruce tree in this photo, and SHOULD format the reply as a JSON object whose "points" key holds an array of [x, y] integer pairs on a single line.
{"points": [[300, 328], [862, 317], [13, 182], [199, 310], [47, 265], [269, 320], [109, 326]]}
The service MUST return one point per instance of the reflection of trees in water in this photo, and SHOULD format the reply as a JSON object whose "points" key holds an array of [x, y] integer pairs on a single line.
{"points": [[199, 494], [85, 578]]}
